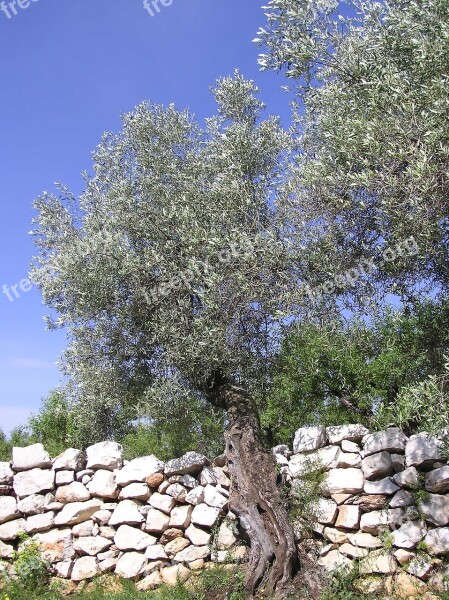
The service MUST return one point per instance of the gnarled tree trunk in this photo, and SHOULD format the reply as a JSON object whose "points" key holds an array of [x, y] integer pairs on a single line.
{"points": [[255, 497]]}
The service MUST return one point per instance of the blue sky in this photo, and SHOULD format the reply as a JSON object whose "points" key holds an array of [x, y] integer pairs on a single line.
{"points": [[68, 69]]}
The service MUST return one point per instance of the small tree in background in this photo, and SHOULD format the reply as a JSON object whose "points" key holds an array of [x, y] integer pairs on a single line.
{"points": [[351, 371]]}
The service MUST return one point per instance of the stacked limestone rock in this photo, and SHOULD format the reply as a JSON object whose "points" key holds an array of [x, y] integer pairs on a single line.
{"points": [[385, 501], [93, 513]]}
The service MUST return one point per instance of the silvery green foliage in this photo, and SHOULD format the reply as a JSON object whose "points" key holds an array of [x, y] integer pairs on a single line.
{"points": [[373, 129], [166, 198]]}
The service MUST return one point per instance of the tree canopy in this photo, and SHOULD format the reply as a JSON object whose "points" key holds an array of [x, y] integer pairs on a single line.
{"points": [[168, 272], [371, 84]]}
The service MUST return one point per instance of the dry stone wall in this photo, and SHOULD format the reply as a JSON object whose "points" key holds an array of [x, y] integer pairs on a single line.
{"points": [[92, 513], [383, 506], [384, 503]]}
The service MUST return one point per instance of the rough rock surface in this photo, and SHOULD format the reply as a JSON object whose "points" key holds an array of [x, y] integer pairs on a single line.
{"points": [[191, 462], [309, 438], [30, 457], [33, 482], [105, 455], [423, 451]]}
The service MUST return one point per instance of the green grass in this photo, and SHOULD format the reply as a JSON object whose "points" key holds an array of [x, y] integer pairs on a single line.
{"points": [[210, 584]]}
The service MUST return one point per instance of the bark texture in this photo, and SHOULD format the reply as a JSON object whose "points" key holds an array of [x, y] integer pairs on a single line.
{"points": [[255, 497]]}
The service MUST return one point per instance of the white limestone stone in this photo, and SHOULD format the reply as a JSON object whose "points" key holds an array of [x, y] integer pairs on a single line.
{"points": [[107, 565], [64, 477], [171, 575], [348, 516], [379, 561], [150, 582], [38, 523], [437, 481], [341, 433], [138, 469], [335, 536], [185, 480], [392, 440], [33, 481], [91, 545], [353, 551], [56, 545], [191, 554], [156, 552], [105, 455], [347, 460], [377, 520], [350, 447], [325, 511], [177, 491], [204, 515], [334, 561], [135, 491], [77, 512], [6, 473], [423, 451], [409, 534], [6, 550], [402, 499], [437, 541], [344, 481], [85, 567], [377, 466], [309, 438], [365, 540], [435, 509], [385, 487], [198, 536], [30, 457], [126, 513], [103, 484], [409, 478], [12, 529], [157, 521], [190, 463], [326, 457], [212, 497], [162, 502], [176, 546], [208, 476], [180, 516], [8, 509], [73, 492], [85, 529], [131, 565], [70, 460], [131, 538], [102, 517], [195, 496], [226, 536]]}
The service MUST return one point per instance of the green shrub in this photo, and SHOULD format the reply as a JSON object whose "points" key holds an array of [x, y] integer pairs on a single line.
{"points": [[305, 492], [30, 570], [341, 586]]}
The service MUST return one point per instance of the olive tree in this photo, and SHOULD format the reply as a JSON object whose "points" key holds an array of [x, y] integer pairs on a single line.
{"points": [[169, 274], [371, 90]]}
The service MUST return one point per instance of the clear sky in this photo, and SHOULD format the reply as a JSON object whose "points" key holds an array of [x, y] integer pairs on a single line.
{"points": [[68, 69]]}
